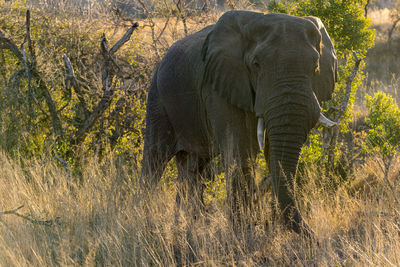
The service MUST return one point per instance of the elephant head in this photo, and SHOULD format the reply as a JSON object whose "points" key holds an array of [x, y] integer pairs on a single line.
{"points": [[280, 67]]}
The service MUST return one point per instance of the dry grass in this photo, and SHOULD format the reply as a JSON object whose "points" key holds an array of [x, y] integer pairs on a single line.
{"points": [[100, 221]]}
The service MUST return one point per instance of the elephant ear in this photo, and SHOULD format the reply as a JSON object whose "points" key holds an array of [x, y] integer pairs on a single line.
{"points": [[222, 53], [324, 82]]}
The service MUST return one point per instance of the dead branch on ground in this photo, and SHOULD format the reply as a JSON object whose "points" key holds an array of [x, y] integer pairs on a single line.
{"points": [[29, 218]]}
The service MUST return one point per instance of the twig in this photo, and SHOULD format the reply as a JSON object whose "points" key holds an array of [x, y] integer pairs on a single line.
{"points": [[11, 211], [34, 221], [6, 43], [28, 37], [64, 163], [124, 39], [71, 79], [152, 26], [331, 135], [182, 15], [28, 75]]}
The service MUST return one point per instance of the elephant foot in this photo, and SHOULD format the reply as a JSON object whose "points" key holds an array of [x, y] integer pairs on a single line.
{"points": [[265, 185], [294, 221]]}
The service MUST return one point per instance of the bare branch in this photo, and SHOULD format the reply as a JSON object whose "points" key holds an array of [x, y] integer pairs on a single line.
{"points": [[70, 78], [29, 77], [28, 37], [392, 28], [349, 82], [50, 104], [68, 66], [182, 14], [331, 135], [34, 221], [124, 39], [11, 211], [103, 44], [96, 113], [108, 73], [163, 29], [152, 26], [14, 79], [2, 63], [366, 7], [6, 43], [64, 163], [27, 69]]}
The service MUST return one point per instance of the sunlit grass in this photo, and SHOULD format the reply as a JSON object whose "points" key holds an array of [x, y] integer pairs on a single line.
{"points": [[99, 220]]}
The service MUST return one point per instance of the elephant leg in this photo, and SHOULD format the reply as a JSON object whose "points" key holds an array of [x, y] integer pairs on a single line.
{"points": [[191, 169], [189, 202], [235, 134], [159, 146], [239, 167]]}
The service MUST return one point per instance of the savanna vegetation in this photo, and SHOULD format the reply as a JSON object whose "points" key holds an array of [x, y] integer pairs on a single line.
{"points": [[73, 82]]}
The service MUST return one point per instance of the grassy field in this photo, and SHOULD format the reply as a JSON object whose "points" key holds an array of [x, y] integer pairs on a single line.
{"points": [[99, 221]]}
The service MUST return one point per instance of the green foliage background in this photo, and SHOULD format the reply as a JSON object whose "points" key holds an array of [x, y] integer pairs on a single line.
{"points": [[384, 123]]}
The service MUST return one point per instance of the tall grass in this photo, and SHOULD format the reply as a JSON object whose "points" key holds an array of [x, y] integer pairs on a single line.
{"points": [[98, 220]]}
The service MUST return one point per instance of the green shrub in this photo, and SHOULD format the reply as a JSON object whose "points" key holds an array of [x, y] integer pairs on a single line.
{"points": [[384, 123]]}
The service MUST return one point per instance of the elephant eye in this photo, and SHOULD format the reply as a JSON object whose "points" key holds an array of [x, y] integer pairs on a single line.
{"points": [[256, 64]]}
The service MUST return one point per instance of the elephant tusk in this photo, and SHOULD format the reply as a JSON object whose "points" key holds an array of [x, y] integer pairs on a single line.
{"points": [[325, 121], [322, 119], [260, 133]]}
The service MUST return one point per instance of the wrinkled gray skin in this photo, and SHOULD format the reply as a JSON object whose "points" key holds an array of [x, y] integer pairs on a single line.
{"points": [[212, 86]]}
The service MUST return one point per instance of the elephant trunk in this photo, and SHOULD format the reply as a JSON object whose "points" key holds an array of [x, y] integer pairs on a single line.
{"points": [[288, 122], [284, 155]]}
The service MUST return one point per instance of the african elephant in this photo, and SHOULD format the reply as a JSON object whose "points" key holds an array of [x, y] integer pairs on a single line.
{"points": [[250, 81]]}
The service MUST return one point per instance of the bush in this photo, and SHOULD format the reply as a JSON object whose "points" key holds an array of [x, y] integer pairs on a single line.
{"points": [[384, 123]]}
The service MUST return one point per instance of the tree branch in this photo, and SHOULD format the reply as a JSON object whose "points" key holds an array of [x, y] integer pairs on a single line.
{"points": [[124, 39], [57, 126], [28, 37], [349, 82], [331, 134], [108, 72], [70, 78], [6, 43]]}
